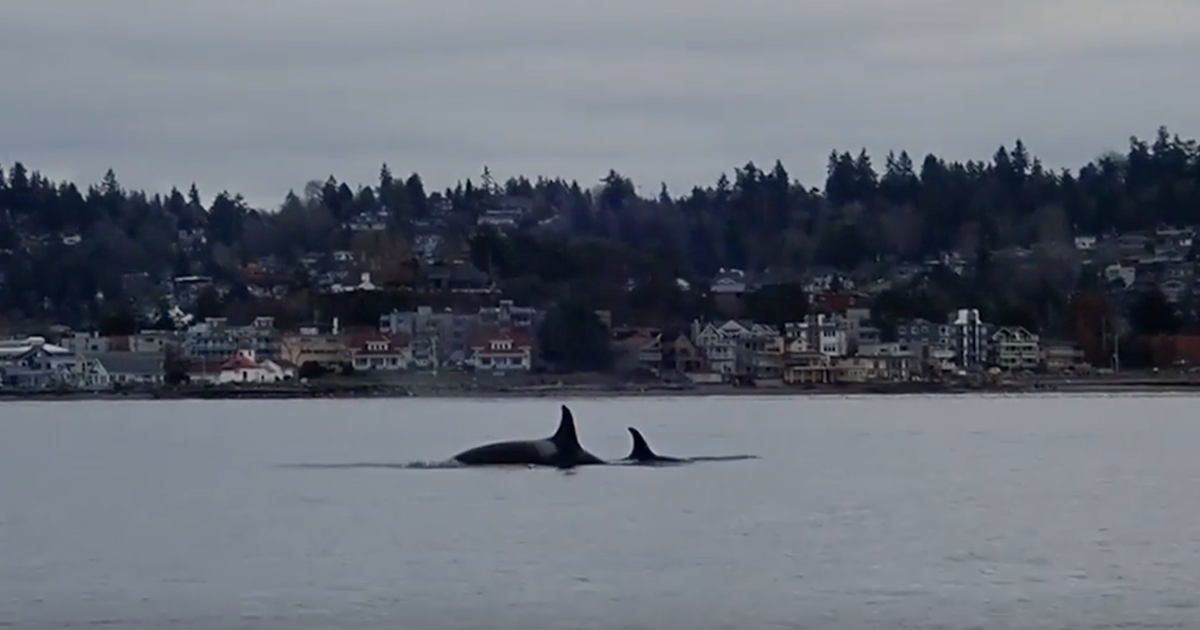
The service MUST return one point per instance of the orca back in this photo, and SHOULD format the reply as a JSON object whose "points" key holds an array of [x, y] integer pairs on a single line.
{"points": [[641, 450], [566, 438], [561, 449]]}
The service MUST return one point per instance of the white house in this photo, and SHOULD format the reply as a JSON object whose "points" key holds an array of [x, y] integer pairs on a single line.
{"points": [[372, 351], [503, 350], [131, 368], [242, 367], [718, 346], [719, 342], [1016, 348], [729, 282], [32, 363], [821, 333]]}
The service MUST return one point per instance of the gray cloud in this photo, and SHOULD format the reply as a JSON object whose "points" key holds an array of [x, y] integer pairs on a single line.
{"points": [[260, 96]]}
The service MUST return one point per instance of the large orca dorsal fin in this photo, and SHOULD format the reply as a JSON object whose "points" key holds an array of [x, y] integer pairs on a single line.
{"points": [[641, 450], [566, 437]]}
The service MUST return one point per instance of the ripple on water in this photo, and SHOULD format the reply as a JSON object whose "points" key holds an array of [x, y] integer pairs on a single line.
{"points": [[876, 513]]}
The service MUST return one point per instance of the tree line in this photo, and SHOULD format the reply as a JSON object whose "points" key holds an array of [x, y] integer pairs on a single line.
{"points": [[607, 246]]}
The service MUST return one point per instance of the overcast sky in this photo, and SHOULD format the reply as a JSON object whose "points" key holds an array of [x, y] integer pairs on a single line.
{"points": [[259, 96]]}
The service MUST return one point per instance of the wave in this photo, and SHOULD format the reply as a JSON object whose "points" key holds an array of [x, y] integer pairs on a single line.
{"points": [[722, 458], [453, 464], [428, 465]]}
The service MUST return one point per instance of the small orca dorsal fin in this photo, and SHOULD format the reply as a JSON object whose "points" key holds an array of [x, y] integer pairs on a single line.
{"points": [[566, 437], [641, 450]]}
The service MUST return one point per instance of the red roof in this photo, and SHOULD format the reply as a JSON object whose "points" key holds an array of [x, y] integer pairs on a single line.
{"points": [[481, 340], [239, 361], [361, 340]]}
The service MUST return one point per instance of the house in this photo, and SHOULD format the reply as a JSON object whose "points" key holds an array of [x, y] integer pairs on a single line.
{"points": [[376, 351], [242, 367], [152, 341], [727, 289], [937, 360], [819, 280], [89, 374], [457, 277], [501, 350], [506, 212], [1015, 348], [679, 354], [821, 333], [500, 219], [861, 369], [506, 315], [1132, 245], [951, 261], [85, 342], [440, 206], [426, 246], [1062, 357], [718, 344], [131, 368], [1180, 238], [440, 337], [311, 345], [215, 339], [370, 221], [761, 356], [898, 360], [729, 282], [187, 289], [964, 332], [32, 363], [650, 354], [721, 344], [865, 368], [636, 349], [807, 368], [919, 332], [970, 336], [853, 322]]}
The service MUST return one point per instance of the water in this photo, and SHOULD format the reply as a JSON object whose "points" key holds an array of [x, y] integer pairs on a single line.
{"points": [[959, 513]]}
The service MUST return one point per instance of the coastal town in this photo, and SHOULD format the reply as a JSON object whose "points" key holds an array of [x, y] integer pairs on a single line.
{"points": [[839, 341], [927, 272], [823, 349]]}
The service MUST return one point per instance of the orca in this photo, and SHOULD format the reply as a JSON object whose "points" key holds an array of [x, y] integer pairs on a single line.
{"points": [[561, 450], [643, 454]]}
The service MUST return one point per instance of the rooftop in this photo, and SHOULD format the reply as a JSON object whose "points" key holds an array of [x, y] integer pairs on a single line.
{"points": [[18, 347]]}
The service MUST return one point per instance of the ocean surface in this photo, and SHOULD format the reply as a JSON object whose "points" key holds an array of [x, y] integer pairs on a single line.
{"points": [[965, 513]]}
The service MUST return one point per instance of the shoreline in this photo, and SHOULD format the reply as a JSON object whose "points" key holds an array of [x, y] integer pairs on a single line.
{"points": [[1159, 385]]}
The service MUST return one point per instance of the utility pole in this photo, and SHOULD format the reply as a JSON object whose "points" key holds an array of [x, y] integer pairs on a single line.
{"points": [[1116, 338], [1116, 352]]}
